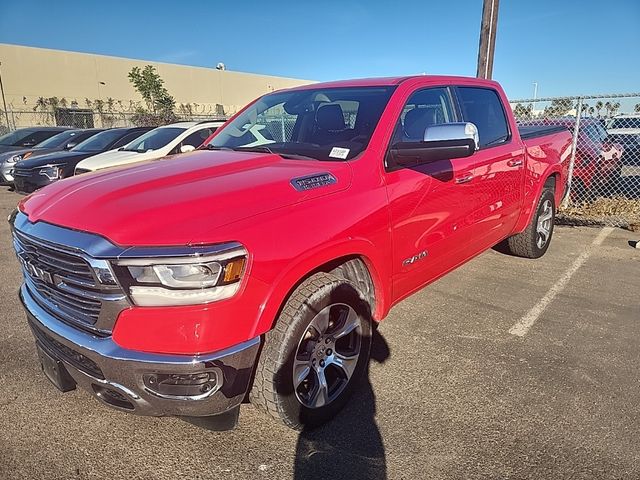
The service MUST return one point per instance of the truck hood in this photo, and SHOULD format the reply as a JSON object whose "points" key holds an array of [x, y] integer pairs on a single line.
{"points": [[172, 201], [113, 158]]}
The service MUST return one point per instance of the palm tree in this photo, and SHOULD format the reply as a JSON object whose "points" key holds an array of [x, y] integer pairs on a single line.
{"points": [[637, 108], [591, 111], [614, 108], [599, 106], [585, 109], [607, 107]]}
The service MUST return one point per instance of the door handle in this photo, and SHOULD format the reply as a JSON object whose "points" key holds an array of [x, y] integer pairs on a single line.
{"points": [[467, 177], [517, 162]]}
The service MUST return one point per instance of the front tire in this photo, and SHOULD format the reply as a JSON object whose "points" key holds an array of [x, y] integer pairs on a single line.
{"points": [[535, 240], [312, 359]]}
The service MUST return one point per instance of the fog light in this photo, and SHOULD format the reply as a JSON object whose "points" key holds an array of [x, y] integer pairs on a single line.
{"points": [[193, 385]]}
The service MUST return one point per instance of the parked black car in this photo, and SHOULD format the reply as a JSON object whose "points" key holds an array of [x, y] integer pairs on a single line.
{"points": [[31, 174], [62, 141], [27, 137]]}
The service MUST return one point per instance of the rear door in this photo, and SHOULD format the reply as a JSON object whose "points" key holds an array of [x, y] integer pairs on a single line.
{"points": [[429, 203], [498, 167]]}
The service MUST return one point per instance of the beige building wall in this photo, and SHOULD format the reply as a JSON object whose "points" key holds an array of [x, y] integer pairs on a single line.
{"points": [[29, 73]]}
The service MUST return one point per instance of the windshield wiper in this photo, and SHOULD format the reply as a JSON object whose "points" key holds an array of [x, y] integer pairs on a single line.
{"points": [[265, 149], [257, 148], [295, 156], [214, 147]]}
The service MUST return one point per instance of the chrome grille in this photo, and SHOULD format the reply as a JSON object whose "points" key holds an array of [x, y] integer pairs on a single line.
{"points": [[62, 282]]}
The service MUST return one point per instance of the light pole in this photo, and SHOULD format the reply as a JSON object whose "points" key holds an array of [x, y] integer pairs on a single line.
{"points": [[4, 102], [487, 44], [535, 95]]}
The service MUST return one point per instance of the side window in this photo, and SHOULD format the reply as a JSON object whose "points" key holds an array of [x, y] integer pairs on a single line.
{"points": [[431, 106], [126, 139], [482, 107], [37, 137], [196, 138]]}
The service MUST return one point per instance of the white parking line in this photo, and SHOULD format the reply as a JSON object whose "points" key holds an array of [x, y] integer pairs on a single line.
{"points": [[521, 328]]}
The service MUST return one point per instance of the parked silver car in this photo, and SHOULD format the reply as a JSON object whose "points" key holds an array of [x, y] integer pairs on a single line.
{"points": [[64, 140]]}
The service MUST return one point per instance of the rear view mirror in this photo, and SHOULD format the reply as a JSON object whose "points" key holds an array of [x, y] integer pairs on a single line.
{"points": [[187, 148], [70, 145], [441, 142]]}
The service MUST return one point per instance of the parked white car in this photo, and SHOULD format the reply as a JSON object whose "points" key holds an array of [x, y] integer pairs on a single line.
{"points": [[171, 139]]}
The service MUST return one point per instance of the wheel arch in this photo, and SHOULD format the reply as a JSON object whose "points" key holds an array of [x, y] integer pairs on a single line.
{"points": [[357, 262], [552, 174]]}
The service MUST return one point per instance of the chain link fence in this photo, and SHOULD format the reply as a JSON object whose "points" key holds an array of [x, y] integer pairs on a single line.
{"points": [[83, 118], [604, 184], [604, 180]]}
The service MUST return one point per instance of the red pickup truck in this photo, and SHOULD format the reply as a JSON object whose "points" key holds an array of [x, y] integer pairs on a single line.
{"points": [[257, 266]]}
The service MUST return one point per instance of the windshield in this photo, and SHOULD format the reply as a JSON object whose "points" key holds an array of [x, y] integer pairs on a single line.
{"points": [[15, 138], [323, 124], [99, 141], [153, 139], [625, 123], [58, 140]]}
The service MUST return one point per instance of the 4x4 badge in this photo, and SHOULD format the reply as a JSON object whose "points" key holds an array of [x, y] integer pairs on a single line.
{"points": [[415, 258]]}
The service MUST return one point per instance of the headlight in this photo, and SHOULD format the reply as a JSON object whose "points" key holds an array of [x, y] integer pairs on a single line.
{"points": [[52, 173], [14, 159], [183, 280]]}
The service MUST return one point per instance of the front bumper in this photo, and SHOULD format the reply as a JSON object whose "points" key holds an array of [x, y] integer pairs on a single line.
{"points": [[5, 172], [31, 182], [115, 375]]}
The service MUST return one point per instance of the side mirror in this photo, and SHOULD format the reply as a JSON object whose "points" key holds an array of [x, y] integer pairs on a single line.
{"points": [[187, 148], [441, 142], [70, 145]]}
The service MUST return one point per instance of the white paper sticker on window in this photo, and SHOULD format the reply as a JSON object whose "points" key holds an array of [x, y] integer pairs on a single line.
{"points": [[338, 152]]}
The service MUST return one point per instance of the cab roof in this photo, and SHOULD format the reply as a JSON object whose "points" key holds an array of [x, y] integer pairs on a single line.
{"points": [[391, 81]]}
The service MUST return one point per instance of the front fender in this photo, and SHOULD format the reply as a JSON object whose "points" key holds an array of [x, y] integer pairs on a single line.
{"points": [[311, 261]]}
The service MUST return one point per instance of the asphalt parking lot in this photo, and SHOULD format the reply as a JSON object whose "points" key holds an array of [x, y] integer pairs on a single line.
{"points": [[506, 368]]}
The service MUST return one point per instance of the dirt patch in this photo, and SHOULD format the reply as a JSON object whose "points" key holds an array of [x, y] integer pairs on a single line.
{"points": [[617, 212]]}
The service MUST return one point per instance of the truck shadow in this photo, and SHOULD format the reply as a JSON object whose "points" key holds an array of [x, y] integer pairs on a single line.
{"points": [[350, 446]]}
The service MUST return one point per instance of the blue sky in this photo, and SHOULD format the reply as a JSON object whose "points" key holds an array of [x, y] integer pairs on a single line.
{"points": [[567, 46]]}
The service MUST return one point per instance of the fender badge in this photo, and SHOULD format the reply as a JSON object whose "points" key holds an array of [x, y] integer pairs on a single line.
{"points": [[313, 181], [415, 258]]}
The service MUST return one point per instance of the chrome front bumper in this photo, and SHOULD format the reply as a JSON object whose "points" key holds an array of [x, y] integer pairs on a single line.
{"points": [[100, 366]]}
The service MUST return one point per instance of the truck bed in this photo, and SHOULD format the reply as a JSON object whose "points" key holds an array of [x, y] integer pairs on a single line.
{"points": [[528, 132]]}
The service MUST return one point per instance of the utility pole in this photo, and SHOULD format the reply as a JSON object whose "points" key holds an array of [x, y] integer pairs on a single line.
{"points": [[487, 38], [4, 102]]}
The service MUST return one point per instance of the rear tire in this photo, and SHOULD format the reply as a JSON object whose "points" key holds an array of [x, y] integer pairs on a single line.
{"points": [[316, 353], [535, 240]]}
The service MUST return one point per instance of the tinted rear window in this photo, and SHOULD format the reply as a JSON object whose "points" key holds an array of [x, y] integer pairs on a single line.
{"points": [[482, 107], [625, 123]]}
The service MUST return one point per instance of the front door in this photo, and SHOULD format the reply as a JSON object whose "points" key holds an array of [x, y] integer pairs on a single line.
{"points": [[430, 204]]}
